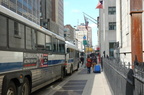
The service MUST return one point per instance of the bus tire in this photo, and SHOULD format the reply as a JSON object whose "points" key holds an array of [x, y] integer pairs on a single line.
{"points": [[11, 89], [26, 87], [62, 75]]}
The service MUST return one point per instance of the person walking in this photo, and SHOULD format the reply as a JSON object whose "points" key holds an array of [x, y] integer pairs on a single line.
{"points": [[88, 64], [82, 60]]}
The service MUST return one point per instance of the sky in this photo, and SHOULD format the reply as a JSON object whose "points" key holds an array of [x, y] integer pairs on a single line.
{"points": [[73, 14]]}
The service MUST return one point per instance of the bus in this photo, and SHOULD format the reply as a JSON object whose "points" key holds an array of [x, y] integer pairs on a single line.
{"points": [[72, 58], [31, 57]]}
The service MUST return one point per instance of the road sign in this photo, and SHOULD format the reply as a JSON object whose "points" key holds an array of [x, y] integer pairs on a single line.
{"points": [[84, 42], [84, 37]]}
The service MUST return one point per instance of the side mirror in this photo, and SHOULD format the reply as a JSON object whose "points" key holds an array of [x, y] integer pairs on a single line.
{"points": [[68, 50]]}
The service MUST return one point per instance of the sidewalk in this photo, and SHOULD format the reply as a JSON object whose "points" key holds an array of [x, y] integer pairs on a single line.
{"points": [[81, 83], [97, 83], [100, 86]]}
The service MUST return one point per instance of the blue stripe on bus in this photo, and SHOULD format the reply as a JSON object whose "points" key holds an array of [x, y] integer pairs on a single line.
{"points": [[70, 60], [51, 62], [10, 66], [19, 65]]}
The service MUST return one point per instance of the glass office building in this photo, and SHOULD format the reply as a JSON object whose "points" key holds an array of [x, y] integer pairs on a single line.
{"points": [[30, 9]]}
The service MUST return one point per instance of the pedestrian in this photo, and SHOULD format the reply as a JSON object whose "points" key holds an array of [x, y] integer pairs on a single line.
{"points": [[94, 61], [88, 64], [82, 60]]}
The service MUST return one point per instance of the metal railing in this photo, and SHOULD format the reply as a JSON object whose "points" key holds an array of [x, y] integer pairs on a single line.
{"points": [[122, 79]]}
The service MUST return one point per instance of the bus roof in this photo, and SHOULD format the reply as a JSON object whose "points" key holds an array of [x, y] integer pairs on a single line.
{"points": [[70, 45], [27, 22]]}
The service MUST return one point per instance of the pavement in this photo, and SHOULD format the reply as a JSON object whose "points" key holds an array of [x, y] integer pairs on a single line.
{"points": [[81, 83]]}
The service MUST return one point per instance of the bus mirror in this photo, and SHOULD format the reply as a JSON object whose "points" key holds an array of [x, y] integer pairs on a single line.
{"points": [[68, 50]]}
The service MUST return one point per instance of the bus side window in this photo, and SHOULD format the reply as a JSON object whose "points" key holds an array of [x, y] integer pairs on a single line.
{"points": [[28, 38], [61, 46], [33, 39], [55, 45], [40, 40], [3, 31], [16, 34], [48, 43]]}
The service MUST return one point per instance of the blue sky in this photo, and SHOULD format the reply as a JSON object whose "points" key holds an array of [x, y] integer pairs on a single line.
{"points": [[73, 14]]}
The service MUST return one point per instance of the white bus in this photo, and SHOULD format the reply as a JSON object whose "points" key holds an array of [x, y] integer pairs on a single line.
{"points": [[30, 56], [72, 58]]}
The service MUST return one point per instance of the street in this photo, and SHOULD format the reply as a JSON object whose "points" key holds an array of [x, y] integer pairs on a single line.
{"points": [[49, 88]]}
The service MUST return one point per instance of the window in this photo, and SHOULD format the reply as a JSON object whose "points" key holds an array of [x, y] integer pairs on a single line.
{"points": [[111, 10], [48, 43], [16, 34], [61, 46], [64, 35], [55, 46], [33, 39], [71, 54], [41, 38], [111, 49], [3, 31], [16, 29], [112, 25], [28, 38]]}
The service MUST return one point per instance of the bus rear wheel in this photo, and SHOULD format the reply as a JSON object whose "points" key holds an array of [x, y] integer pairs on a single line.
{"points": [[11, 90], [26, 87]]}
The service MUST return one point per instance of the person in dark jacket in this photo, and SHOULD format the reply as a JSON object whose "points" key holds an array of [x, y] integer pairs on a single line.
{"points": [[82, 60]]}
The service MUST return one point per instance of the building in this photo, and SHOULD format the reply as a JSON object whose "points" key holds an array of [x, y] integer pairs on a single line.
{"points": [[130, 30], [69, 33], [81, 34], [30, 9], [52, 16], [107, 28], [60, 16]]}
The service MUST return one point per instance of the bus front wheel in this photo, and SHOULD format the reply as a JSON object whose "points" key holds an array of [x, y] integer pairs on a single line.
{"points": [[11, 90], [26, 87]]}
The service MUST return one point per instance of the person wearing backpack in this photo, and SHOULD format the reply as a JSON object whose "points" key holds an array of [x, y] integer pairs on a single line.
{"points": [[88, 64]]}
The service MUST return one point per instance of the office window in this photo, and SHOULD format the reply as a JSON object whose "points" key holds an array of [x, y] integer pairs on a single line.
{"points": [[111, 10], [111, 49], [112, 25]]}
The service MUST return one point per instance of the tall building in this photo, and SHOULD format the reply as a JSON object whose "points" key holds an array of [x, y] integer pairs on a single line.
{"points": [[52, 16], [107, 28], [60, 16], [30, 9], [82, 32]]}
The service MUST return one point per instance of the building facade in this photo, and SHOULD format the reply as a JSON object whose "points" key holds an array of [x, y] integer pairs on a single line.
{"points": [[52, 16], [69, 33], [60, 16], [107, 28], [30, 9], [83, 34], [130, 30]]}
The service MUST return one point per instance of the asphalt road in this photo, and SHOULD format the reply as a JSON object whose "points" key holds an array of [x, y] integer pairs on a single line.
{"points": [[47, 89]]}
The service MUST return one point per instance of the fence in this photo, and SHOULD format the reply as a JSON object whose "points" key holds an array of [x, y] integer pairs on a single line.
{"points": [[122, 79]]}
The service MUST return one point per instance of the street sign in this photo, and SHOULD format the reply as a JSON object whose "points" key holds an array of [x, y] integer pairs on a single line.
{"points": [[84, 42], [84, 37]]}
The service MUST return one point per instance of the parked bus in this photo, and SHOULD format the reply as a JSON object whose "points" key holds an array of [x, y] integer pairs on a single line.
{"points": [[30, 56], [72, 58]]}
